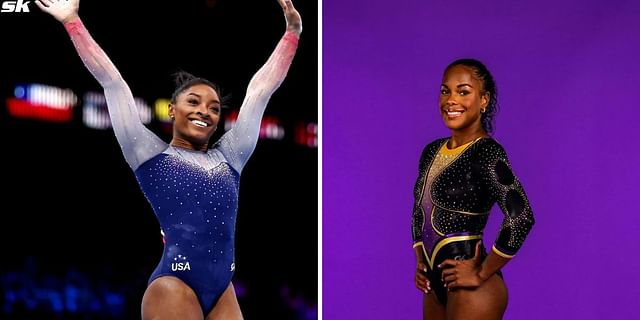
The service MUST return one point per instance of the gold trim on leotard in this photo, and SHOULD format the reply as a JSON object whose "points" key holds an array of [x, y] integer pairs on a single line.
{"points": [[500, 253], [433, 225], [443, 243], [462, 212]]}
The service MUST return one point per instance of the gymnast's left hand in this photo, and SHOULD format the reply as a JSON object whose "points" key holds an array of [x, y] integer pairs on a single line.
{"points": [[463, 273], [294, 22]]}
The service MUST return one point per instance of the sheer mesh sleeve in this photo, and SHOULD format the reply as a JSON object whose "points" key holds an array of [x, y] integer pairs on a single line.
{"points": [[510, 196], [138, 143], [238, 143]]}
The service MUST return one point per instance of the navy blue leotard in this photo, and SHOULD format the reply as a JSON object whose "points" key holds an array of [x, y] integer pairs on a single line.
{"points": [[193, 194]]}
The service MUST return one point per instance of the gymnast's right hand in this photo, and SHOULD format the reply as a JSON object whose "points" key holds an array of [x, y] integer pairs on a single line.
{"points": [[422, 283], [62, 10], [294, 22]]}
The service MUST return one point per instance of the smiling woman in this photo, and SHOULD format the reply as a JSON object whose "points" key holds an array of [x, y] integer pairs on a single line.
{"points": [[195, 109], [193, 189], [459, 180]]}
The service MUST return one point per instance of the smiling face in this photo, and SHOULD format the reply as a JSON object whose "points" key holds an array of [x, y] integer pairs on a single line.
{"points": [[462, 99], [196, 113]]}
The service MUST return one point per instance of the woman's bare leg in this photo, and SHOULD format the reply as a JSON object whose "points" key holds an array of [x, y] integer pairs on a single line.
{"points": [[431, 308], [487, 302], [227, 306], [169, 298]]}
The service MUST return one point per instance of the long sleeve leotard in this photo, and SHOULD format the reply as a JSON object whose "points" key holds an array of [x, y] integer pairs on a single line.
{"points": [[194, 194], [454, 193]]}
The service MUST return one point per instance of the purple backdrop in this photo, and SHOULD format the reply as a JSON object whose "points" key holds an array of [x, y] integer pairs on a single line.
{"points": [[567, 74]]}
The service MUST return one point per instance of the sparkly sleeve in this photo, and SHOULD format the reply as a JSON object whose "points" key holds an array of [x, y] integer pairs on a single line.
{"points": [[138, 143], [238, 143], [510, 196], [417, 218]]}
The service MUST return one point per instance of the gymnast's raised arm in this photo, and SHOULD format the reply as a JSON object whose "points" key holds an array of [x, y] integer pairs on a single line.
{"points": [[137, 142], [238, 143]]}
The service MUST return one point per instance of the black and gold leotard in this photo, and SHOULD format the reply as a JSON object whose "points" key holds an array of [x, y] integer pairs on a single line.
{"points": [[454, 193]]}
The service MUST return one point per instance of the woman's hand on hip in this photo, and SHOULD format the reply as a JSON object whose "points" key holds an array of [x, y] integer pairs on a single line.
{"points": [[462, 273], [422, 283]]}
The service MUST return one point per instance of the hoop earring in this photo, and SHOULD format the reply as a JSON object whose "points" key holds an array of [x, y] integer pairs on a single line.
{"points": [[483, 110]]}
